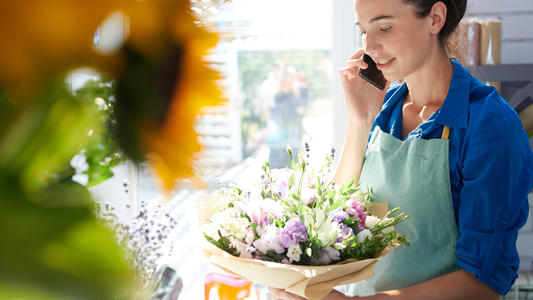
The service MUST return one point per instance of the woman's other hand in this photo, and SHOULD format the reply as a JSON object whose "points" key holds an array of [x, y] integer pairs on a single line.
{"points": [[278, 294], [363, 100]]}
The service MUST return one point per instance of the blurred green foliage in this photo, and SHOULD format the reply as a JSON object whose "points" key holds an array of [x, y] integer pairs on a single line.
{"points": [[60, 249], [40, 134], [102, 152], [52, 245]]}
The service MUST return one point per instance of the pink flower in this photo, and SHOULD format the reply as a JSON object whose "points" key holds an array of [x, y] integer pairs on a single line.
{"points": [[250, 236], [260, 211], [270, 240], [281, 188], [357, 210]]}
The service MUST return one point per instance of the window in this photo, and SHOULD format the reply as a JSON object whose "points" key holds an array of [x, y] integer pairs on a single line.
{"points": [[276, 59]]}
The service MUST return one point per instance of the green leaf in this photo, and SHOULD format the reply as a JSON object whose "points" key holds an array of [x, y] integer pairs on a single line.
{"points": [[291, 181], [223, 244], [238, 190], [350, 183]]}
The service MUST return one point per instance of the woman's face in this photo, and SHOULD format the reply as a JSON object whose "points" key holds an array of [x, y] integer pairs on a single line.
{"points": [[392, 34]]}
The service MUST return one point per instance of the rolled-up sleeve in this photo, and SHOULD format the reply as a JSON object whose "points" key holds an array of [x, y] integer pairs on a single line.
{"points": [[493, 206]]}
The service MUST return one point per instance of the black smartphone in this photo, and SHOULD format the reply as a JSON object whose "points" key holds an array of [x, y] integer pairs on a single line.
{"points": [[372, 74]]}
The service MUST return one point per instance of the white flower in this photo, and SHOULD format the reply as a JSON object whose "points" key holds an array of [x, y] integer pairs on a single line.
{"points": [[308, 195], [220, 218], [320, 217], [272, 207], [328, 232], [241, 248], [238, 228], [228, 224], [294, 252], [308, 221], [250, 236], [79, 162], [363, 235], [309, 252], [357, 196], [371, 221], [339, 246], [387, 229]]}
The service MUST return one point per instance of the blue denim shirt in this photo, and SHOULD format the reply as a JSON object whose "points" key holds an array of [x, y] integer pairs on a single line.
{"points": [[491, 172]]}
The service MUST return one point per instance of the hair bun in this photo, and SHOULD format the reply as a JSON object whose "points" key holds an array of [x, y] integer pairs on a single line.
{"points": [[456, 11]]}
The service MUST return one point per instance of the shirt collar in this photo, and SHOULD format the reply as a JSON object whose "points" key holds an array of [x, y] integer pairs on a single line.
{"points": [[454, 110]]}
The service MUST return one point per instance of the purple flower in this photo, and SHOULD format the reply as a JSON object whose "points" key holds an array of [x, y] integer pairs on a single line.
{"points": [[328, 255], [281, 188], [345, 233], [293, 233], [338, 215], [357, 210]]}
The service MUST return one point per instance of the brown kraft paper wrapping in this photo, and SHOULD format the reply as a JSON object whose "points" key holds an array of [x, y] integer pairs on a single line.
{"points": [[490, 46], [311, 282], [490, 43]]}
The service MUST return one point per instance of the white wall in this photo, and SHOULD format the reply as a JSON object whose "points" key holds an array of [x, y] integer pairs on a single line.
{"points": [[345, 42], [119, 191]]}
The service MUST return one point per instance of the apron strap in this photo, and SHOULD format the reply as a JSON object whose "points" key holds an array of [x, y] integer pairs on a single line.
{"points": [[445, 132]]}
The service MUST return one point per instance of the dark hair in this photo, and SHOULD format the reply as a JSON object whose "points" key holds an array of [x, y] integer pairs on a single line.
{"points": [[455, 12]]}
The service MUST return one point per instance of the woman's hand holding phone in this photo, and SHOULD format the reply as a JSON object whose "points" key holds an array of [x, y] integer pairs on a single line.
{"points": [[363, 100]]}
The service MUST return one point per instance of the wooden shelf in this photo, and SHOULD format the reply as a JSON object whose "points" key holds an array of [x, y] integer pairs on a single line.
{"points": [[516, 79]]}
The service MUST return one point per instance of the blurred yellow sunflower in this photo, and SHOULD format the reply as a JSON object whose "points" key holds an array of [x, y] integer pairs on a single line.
{"points": [[44, 37], [173, 52]]}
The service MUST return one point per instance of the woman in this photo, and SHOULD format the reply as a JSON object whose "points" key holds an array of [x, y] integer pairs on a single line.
{"points": [[444, 147]]}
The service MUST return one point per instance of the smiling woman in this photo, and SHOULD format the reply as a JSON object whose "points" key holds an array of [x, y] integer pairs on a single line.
{"points": [[444, 147]]}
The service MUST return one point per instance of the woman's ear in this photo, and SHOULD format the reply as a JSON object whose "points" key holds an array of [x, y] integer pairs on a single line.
{"points": [[437, 17]]}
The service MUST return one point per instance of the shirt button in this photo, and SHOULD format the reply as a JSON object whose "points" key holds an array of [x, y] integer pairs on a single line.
{"points": [[504, 219]]}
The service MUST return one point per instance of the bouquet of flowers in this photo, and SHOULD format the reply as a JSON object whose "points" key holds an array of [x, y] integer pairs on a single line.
{"points": [[298, 230]]}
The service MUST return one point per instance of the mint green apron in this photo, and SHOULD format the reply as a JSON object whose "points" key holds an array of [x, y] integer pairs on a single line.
{"points": [[413, 175]]}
